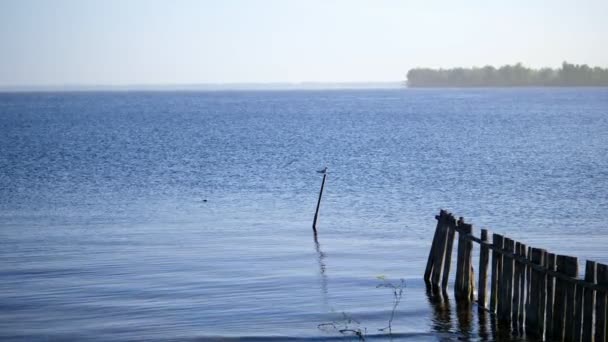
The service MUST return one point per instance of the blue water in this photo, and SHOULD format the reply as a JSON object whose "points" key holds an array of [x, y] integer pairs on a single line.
{"points": [[187, 215]]}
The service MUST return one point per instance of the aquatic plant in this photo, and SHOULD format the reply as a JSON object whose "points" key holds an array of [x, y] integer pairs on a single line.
{"points": [[346, 326], [352, 327], [397, 295]]}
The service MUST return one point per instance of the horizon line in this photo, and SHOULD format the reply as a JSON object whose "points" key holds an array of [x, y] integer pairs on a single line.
{"points": [[207, 86]]}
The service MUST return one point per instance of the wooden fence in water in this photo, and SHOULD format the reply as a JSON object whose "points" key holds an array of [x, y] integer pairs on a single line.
{"points": [[533, 290]]}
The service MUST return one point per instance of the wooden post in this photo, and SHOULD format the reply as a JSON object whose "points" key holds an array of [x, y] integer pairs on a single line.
{"points": [[532, 312], [506, 300], [314, 222], [601, 318], [566, 265], [516, 282], [522, 287], [484, 258], [497, 242], [528, 277], [469, 275], [542, 293], [577, 323], [451, 226], [430, 261], [439, 257], [463, 266], [551, 262], [571, 271], [589, 301]]}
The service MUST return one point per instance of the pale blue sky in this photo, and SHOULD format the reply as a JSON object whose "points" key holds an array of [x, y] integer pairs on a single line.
{"points": [[118, 42]]}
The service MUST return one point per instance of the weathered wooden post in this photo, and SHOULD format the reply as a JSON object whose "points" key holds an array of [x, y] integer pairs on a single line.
{"points": [[462, 288], [440, 251], [451, 226], [431, 260], [551, 263], [314, 222], [578, 313], [497, 242], [506, 300], [601, 316], [469, 275], [484, 258], [589, 301], [532, 314], [542, 293], [567, 266], [516, 283], [571, 271], [522, 286]]}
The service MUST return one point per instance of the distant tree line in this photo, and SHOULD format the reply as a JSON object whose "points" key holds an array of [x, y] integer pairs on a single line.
{"points": [[509, 76]]}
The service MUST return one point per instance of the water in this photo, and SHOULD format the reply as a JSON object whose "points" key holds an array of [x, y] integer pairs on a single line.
{"points": [[187, 215]]}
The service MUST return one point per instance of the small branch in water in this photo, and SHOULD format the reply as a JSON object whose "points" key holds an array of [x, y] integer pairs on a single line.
{"points": [[347, 322], [397, 295]]}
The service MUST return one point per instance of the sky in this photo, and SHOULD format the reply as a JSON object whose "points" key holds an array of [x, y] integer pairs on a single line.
{"points": [[126, 42]]}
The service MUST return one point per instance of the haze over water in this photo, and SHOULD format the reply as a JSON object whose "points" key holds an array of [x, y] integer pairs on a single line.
{"points": [[187, 215]]}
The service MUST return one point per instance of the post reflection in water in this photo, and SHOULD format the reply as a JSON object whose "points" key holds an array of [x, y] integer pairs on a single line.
{"points": [[464, 314], [442, 321], [322, 269], [465, 329]]}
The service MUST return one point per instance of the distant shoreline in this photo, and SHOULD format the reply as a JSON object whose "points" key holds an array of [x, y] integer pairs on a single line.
{"points": [[517, 75]]}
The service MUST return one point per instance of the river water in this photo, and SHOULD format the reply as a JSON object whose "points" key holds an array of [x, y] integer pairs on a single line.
{"points": [[187, 215]]}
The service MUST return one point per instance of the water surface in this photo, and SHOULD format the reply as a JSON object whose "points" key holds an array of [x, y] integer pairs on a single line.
{"points": [[187, 215]]}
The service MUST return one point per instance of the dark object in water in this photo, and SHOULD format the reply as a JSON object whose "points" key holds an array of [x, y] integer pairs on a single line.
{"points": [[314, 222]]}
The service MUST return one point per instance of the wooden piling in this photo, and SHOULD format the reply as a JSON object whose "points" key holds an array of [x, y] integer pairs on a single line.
{"points": [[571, 271], [506, 293], [484, 258], [566, 265], [522, 287], [451, 226], [469, 275], [497, 242], [440, 249], [589, 302], [532, 310], [430, 261], [551, 264], [542, 291], [601, 316], [462, 288], [528, 276], [516, 293], [528, 288], [577, 323], [314, 222]]}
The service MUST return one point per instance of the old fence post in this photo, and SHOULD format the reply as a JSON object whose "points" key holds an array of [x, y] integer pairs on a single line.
{"points": [[484, 256], [516, 293], [451, 226], [440, 251], [551, 263], [463, 289], [506, 293], [589, 301], [601, 333], [431, 260], [567, 266], [497, 242]]}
